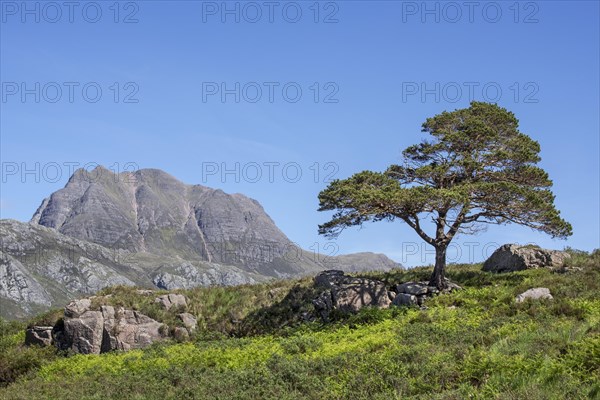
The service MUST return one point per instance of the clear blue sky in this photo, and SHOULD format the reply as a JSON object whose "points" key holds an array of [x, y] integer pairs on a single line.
{"points": [[376, 64]]}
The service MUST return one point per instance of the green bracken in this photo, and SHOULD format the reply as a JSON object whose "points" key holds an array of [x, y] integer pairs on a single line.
{"points": [[474, 343]]}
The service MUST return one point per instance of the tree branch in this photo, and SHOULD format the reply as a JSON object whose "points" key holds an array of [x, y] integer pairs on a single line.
{"points": [[417, 228]]}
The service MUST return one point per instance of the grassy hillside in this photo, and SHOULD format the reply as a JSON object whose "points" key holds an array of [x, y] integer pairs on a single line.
{"points": [[260, 342]]}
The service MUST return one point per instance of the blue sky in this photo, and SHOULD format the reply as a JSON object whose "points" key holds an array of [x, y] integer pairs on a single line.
{"points": [[369, 74]]}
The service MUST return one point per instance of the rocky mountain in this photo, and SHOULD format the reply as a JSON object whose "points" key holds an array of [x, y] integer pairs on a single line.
{"points": [[42, 268], [147, 228]]}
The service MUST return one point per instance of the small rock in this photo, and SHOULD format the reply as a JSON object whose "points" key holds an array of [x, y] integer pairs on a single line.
{"points": [[415, 288], [38, 335], [275, 292], [169, 300], [189, 321], [535, 293], [451, 286], [391, 295], [432, 290], [405, 299], [180, 334], [77, 307]]}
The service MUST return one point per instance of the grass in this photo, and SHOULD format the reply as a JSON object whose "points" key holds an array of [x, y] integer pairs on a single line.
{"points": [[259, 342]]}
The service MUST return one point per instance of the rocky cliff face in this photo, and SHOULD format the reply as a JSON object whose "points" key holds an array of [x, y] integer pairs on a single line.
{"points": [[151, 211], [42, 268], [146, 228]]}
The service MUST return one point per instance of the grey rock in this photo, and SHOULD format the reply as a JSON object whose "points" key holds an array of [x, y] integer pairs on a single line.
{"points": [[512, 257], [84, 334], [348, 294], [135, 330], [89, 331], [189, 321], [450, 287], [323, 305], [39, 335], [40, 267], [330, 278], [171, 300], [535, 293], [353, 297], [77, 307], [415, 288], [405, 299], [181, 334]]}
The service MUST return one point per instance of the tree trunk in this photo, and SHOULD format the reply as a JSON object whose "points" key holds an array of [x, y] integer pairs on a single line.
{"points": [[439, 271]]}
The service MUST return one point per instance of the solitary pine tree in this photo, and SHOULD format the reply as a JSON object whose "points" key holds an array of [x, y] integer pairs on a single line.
{"points": [[476, 169]]}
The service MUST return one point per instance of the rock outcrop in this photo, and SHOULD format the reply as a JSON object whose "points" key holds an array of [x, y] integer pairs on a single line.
{"points": [[348, 294], [88, 331], [167, 301], [535, 293], [512, 257], [344, 293]]}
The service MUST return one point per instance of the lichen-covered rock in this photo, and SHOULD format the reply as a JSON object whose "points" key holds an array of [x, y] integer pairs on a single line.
{"points": [[512, 257], [535, 293]]}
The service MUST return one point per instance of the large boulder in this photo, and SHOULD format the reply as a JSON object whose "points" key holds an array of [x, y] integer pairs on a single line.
{"points": [[348, 294], [84, 333], [513, 257]]}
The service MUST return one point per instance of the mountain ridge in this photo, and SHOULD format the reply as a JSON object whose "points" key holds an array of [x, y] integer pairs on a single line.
{"points": [[148, 229]]}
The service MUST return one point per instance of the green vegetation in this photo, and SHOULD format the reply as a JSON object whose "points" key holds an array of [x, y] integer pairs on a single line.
{"points": [[476, 168], [254, 344]]}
